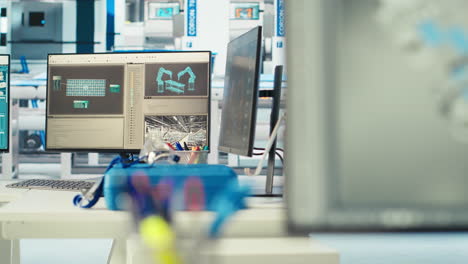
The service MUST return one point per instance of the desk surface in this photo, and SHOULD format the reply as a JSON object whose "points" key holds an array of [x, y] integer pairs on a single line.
{"points": [[8, 194], [256, 235], [265, 218]]}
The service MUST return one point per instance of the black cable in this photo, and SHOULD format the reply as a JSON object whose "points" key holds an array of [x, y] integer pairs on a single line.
{"points": [[280, 157], [267, 195], [280, 149], [277, 154]]}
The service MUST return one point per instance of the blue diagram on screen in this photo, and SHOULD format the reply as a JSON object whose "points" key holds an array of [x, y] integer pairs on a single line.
{"points": [[86, 87], [175, 86], [165, 12], [3, 107]]}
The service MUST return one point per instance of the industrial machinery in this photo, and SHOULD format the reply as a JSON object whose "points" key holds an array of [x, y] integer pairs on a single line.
{"points": [[159, 23], [64, 26], [55, 27], [199, 25]]}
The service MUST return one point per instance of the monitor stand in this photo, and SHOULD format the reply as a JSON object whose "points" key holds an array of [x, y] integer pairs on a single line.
{"points": [[276, 95]]}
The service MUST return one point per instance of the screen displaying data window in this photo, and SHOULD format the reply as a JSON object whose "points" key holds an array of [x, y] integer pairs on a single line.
{"points": [[4, 102], [113, 101], [163, 10]]}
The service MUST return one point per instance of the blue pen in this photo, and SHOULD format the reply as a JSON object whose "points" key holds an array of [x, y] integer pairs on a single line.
{"points": [[178, 146]]}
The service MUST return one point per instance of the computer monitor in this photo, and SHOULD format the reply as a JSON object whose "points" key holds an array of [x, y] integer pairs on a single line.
{"points": [[245, 11], [366, 147], [157, 11], [239, 110], [4, 103], [111, 102]]}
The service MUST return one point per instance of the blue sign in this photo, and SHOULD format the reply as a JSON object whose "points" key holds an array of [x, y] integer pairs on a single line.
{"points": [[192, 18], [280, 27]]}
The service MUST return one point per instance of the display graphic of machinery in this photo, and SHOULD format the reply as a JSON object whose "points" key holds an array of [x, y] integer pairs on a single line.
{"points": [[175, 86]]}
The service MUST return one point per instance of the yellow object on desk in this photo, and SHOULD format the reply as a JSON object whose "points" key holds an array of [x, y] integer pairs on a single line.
{"points": [[158, 236]]}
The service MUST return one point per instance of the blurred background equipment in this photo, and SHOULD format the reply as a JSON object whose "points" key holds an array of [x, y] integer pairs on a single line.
{"points": [[434, 35], [32, 29]]}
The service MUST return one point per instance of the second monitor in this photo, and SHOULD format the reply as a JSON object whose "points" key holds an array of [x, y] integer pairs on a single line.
{"points": [[113, 101]]}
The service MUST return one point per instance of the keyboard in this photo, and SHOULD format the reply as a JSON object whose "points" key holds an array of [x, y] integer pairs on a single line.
{"points": [[58, 185]]}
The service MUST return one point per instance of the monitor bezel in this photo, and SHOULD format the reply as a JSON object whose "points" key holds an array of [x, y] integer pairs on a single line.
{"points": [[253, 120], [7, 150], [133, 151]]}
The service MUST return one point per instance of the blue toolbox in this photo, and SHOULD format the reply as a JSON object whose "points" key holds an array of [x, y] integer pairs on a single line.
{"points": [[214, 179]]}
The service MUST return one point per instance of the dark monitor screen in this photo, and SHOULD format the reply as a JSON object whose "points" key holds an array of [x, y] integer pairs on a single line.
{"points": [[238, 117], [36, 19], [111, 102]]}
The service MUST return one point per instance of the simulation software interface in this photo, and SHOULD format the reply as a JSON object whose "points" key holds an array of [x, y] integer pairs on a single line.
{"points": [[115, 101], [4, 101]]}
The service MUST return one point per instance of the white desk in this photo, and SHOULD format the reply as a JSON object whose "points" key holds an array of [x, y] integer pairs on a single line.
{"points": [[9, 249], [256, 234]]}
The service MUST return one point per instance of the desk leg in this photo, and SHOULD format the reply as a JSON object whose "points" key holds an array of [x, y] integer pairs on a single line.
{"points": [[15, 252], [118, 253], [9, 251]]}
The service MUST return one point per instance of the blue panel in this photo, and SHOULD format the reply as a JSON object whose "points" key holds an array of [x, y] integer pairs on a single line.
{"points": [[110, 27], [192, 18], [85, 26], [4, 107], [280, 30]]}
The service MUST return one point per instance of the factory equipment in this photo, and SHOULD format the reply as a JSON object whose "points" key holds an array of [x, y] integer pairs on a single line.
{"points": [[37, 24], [246, 14], [159, 23], [62, 26], [195, 25], [56, 27]]}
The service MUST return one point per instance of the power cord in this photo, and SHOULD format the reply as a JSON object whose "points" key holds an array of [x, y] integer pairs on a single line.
{"points": [[277, 154], [270, 142]]}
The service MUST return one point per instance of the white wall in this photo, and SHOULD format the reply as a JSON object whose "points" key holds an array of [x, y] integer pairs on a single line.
{"points": [[213, 30]]}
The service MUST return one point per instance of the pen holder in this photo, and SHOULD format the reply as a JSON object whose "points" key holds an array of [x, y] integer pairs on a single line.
{"points": [[192, 157]]}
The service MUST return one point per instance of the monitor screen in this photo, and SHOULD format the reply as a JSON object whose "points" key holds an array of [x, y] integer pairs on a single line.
{"points": [[163, 10], [113, 101], [4, 102], [238, 117], [245, 11]]}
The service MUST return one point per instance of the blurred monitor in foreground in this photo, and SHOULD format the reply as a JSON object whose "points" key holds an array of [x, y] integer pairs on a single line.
{"points": [[367, 147]]}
